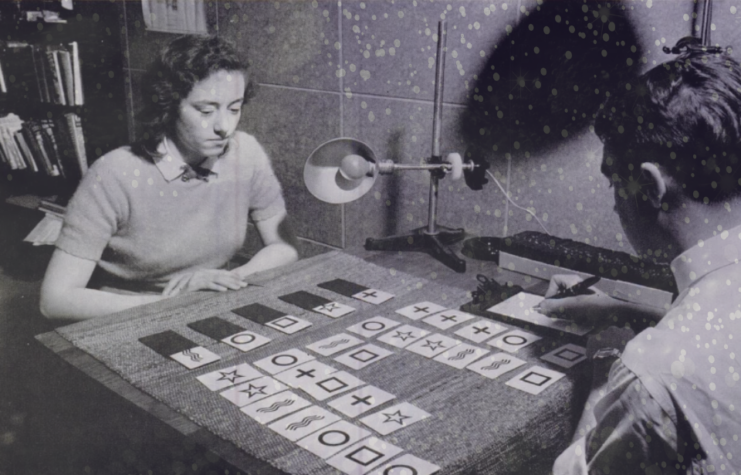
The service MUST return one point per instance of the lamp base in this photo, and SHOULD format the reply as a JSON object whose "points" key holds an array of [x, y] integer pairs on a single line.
{"points": [[419, 240]]}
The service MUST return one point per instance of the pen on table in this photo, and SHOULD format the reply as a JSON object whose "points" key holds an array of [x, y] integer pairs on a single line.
{"points": [[579, 288]]}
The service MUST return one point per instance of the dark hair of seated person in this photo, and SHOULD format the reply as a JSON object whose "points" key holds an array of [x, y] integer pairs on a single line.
{"points": [[685, 116], [181, 64]]}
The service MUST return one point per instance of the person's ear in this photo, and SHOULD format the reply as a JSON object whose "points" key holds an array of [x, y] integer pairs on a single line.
{"points": [[656, 183]]}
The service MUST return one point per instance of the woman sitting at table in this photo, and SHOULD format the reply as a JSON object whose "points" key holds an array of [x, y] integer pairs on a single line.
{"points": [[169, 212]]}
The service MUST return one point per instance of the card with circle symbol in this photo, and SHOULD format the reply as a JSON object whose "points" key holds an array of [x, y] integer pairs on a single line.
{"points": [[252, 391], [420, 310], [304, 422], [246, 341], [513, 341], [461, 356], [432, 345], [305, 373], [480, 331], [288, 324], [274, 407], [361, 401], [407, 464], [223, 378], [535, 379], [334, 344], [195, 357], [334, 309], [566, 356], [332, 385], [447, 319], [394, 418], [521, 307], [373, 326], [376, 297], [328, 441], [282, 361], [361, 357], [403, 336], [364, 456], [496, 365]]}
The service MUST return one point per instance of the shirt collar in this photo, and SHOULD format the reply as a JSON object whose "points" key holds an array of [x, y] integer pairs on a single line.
{"points": [[707, 256], [172, 166]]}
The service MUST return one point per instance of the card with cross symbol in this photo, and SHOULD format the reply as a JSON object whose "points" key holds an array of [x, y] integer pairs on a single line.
{"points": [[305, 373], [447, 319], [356, 291], [376, 297], [361, 401], [480, 330], [420, 310]]}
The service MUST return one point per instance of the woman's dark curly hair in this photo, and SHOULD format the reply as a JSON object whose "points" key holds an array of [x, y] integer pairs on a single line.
{"points": [[170, 78]]}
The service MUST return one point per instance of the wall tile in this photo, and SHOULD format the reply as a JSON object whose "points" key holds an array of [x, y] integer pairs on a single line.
{"points": [[660, 23], [290, 43], [726, 27], [290, 124], [389, 47]]}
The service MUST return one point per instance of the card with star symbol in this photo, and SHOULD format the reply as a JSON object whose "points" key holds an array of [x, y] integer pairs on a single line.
{"points": [[514, 340], [566, 356], [328, 441], [334, 309], [496, 365], [364, 456], [334, 344], [361, 401], [535, 379], [448, 318], [407, 464], [403, 336], [480, 330], [288, 324], [394, 418], [230, 376], [361, 357], [331, 385], [305, 373], [282, 361], [420, 310], [246, 341], [274, 407], [432, 345], [373, 326], [461, 356], [252, 391], [304, 422]]}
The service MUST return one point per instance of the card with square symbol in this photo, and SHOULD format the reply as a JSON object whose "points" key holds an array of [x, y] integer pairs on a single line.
{"points": [[407, 464], [447, 319], [535, 379], [403, 336], [334, 344], [373, 326], [514, 340], [274, 407], [361, 401], [195, 357], [420, 310], [334, 309], [230, 376], [328, 441], [361, 357], [364, 456], [461, 356], [283, 361], [376, 297], [246, 341], [480, 330], [289, 324], [432, 345], [566, 356], [335, 383], [394, 418], [305, 373], [253, 391], [496, 365], [304, 422]]}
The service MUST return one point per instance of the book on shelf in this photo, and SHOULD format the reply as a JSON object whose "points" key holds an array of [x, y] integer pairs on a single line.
{"points": [[25, 151]]}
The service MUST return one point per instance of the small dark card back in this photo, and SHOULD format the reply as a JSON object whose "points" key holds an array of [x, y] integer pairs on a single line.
{"points": [[216, 328], [343, 287], [167, 343], [305, 300], [258, 313]]}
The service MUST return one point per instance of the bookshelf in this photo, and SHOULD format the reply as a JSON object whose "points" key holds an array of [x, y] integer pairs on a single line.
{"points": [[62, 93]]}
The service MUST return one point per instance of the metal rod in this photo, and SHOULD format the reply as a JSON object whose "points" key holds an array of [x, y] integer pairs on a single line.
{"points": [[706, 22], [437, 120]]}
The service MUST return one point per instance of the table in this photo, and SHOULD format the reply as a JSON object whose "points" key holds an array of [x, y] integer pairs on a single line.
{"points": [[477, 425]]}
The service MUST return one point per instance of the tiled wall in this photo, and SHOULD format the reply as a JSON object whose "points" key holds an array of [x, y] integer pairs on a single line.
{"points": [[365, 69]]}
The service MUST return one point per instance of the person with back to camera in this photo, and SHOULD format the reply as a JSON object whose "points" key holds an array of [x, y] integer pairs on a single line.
{"points": [[672, 401], [168, 213]]}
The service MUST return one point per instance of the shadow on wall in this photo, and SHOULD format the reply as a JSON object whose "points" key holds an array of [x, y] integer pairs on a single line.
{"points": [[548, 76]]}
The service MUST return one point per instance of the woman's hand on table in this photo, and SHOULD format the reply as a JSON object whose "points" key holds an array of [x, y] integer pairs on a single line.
{"points": [[204, 279]]}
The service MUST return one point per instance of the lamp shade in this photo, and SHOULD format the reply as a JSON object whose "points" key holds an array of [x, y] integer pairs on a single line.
{"points": [[327, 182]]}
